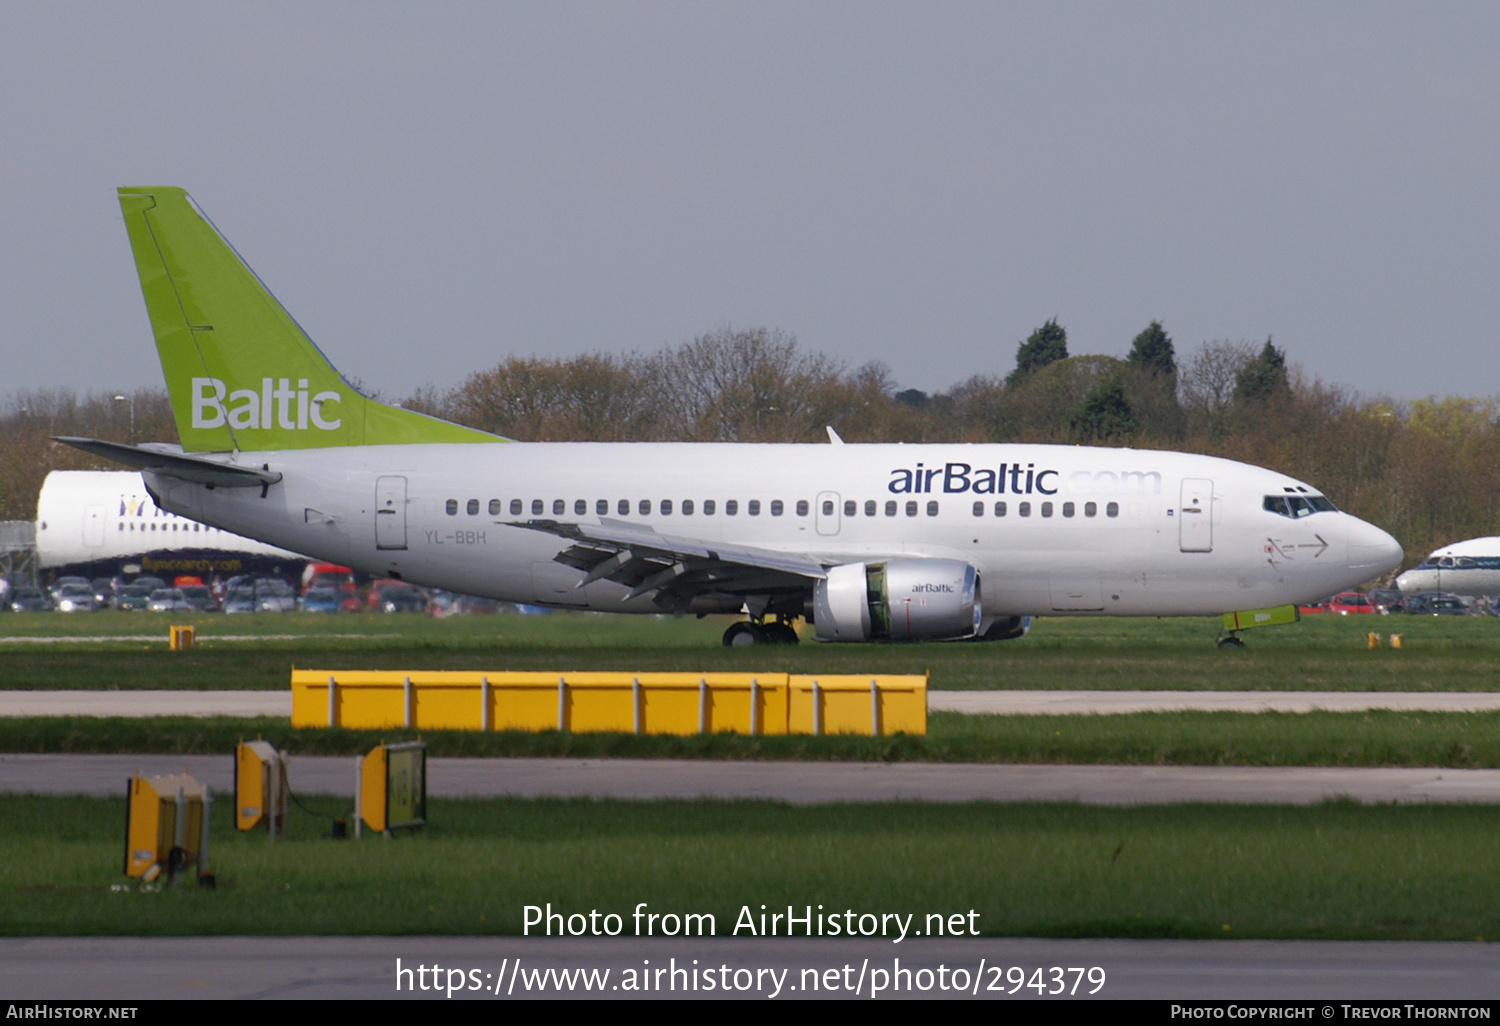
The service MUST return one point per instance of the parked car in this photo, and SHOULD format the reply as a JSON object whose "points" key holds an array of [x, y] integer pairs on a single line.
{"points": [[321, 599], [1347, 602], [1387, 600], [104, 593], [135, 596], [26, 599], [390, 596], [199, 598], [240, 598], [273, 595], [167, 600], [1437, 603], [74, 598]]}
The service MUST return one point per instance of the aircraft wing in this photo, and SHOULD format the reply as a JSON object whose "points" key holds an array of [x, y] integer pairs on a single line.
{"points": [[676, 568], [175, 463]]}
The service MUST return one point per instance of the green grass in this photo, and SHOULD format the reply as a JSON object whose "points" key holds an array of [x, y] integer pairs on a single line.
{"points": [[1375, 738], [1321, 653], [1337, 871]]}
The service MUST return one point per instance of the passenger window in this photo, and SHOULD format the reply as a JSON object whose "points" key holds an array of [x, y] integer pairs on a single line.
{"points": [[452, 507], [1046, 509], [911, 509], [1090, 509], [999, 509], [1112, 510], [828, 507], [472, 507], [1067, 509], [537, 508], [708, 507], [775, 507], [753, 507], [851, 508], [494, 507], [869, 507], [731, 507], [890, 507], [623, 507], [687, 507], [644, 507], [802, 507], [1024, 509], [979, 509], [559, 507], [601, 507], [666, 507], [580, 507], [515, 507]]}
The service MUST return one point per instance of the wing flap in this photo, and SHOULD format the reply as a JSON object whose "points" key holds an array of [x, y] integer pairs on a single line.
{"points": [[675, 568]]}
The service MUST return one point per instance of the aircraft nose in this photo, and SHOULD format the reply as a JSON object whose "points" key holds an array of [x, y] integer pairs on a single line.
{"points": [[1372, 552]]}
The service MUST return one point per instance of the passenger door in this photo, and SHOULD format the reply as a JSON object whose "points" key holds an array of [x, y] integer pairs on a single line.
{"points": [[390, 513], [1196, 516]]}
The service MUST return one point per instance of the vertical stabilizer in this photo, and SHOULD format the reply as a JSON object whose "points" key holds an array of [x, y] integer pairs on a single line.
{"points": [[241, 373]]}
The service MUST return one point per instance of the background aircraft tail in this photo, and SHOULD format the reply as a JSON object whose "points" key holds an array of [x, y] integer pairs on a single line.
{"points": [[241, 373]]}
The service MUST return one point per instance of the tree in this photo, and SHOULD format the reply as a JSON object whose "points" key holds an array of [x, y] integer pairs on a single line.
{"points": [[1047, 344], [1152, 351], [1104, 413], [1263, 378]]}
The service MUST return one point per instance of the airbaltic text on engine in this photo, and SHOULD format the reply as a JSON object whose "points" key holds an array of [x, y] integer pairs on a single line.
{"points": [[958, 478], [250, 410]]}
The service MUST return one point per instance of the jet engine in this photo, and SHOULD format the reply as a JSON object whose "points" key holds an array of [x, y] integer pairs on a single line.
{"points": [[899, 600]]}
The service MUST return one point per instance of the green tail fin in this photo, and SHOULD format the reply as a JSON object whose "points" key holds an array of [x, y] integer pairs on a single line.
{"points": [[242, 375]]}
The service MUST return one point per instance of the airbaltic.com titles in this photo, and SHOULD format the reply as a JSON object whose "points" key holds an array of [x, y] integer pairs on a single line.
{"points": [[752, 921]]}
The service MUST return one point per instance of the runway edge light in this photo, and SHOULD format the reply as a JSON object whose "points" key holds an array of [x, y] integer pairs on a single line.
{"points": [[260, 787]]}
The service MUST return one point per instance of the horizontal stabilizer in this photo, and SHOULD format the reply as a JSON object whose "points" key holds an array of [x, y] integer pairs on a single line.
{"points": [[170, 461]]}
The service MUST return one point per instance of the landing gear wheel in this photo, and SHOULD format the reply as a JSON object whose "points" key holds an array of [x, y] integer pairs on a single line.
{"points": [[1231, 641], [744, 633], [781, 633]]}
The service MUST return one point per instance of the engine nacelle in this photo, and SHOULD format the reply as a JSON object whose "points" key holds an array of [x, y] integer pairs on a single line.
{"points": [[899, 600]]}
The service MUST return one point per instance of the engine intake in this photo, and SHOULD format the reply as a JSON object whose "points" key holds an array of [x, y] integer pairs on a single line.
{"points": [[899, 600]]}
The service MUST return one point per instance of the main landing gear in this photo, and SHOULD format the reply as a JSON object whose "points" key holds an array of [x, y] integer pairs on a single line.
{"points": [[749, 632]]}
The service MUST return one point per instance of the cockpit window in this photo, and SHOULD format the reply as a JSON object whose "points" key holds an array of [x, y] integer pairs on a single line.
{"points": [[1295, 507]]}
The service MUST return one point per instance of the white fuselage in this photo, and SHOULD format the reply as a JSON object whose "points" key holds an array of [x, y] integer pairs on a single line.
{"points": [[106, 519], [1469, 567], [1051, 529]]}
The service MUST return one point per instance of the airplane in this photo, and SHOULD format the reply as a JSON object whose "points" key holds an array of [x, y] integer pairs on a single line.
{"points": [[100, 523], [1470, 568], [864, 541]]}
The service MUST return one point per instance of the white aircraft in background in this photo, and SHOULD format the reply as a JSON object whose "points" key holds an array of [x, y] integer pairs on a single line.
{"points": [[867, 542], [104, 522], [1470, 568]]}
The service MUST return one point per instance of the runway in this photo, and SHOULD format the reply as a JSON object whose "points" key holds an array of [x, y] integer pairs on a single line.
{"points": [[798, 783], [1003, 703]]}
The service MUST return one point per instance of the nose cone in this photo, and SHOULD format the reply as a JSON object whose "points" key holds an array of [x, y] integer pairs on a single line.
{"points": [[1372, 552]]}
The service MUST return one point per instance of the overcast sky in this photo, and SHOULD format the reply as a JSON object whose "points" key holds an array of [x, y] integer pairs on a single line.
{"points": [[430, 188]]}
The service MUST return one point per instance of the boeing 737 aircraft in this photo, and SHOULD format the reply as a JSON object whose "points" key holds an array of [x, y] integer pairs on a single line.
{"points": [[866, 542], [1469, 568], [103, 522]]}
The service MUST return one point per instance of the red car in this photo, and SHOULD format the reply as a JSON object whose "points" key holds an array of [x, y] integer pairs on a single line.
{"points": [[1347, 602]]}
